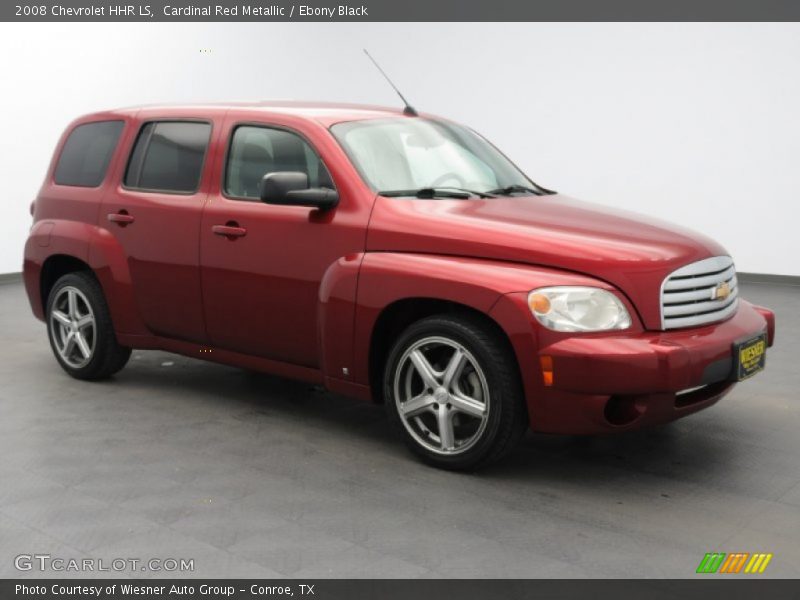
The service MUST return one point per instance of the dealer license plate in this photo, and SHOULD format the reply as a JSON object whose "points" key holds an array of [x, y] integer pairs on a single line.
{"points": [[750, 356]]}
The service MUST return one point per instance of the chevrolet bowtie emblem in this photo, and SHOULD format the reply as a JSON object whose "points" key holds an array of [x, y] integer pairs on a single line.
{"points": [[722, 291]]}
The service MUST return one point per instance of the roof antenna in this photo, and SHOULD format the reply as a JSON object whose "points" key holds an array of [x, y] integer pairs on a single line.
{"points": [[408, 110]]}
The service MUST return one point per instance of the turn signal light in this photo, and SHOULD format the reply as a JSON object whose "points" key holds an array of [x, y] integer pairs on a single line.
{"points": [[539, 303], [547, 369]]}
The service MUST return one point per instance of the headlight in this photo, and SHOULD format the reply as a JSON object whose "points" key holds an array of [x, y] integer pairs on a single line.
{"points": [[573, 308]]}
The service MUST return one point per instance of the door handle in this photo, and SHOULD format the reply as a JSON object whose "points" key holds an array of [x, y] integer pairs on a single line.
{"points": [[230, 230], [121, 218]]}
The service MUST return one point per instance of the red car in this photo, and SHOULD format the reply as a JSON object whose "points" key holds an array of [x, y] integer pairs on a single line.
{"points": [[388, 256]]}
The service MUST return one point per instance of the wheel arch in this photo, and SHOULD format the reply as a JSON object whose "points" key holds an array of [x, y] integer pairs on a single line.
{"points": [[56, 247], [402, 313], [56, 266], [395, 289]]}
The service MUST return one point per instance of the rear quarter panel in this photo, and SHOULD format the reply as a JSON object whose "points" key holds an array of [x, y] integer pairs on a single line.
{"points": [[66, 222]]}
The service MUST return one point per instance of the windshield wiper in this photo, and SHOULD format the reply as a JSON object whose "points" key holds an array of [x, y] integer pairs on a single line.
{"points": [[437, 192], [515, 189]]}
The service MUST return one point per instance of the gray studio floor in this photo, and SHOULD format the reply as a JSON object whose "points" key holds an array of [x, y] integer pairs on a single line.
{"points": [[255, 476]]}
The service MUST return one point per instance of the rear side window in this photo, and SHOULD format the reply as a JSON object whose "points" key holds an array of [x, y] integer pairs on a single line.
{"points": [[87, 153], [168, 156]]}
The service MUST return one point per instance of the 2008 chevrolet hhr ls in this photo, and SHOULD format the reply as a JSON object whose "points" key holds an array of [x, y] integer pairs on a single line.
{"points": [[388, 256]]}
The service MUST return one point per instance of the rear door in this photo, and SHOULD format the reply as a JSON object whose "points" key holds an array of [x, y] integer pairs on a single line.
{"points": [[154, 213]]}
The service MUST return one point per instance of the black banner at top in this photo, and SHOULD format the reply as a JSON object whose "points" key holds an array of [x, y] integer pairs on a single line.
{"points": [[400, 10]]}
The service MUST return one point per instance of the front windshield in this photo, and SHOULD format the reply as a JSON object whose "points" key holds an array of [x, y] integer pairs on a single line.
{"points": [[401, 155]]}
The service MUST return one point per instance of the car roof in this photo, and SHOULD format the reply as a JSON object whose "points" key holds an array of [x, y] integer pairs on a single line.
{"points": [[326, 113]]}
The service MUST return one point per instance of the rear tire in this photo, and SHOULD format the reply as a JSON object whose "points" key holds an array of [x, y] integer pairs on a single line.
{"points": [[80, 330], [452, 389]]}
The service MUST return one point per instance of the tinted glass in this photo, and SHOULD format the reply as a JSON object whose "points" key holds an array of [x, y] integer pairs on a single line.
{"points": [[256, 151], [407, 154], [168, 156], [87, 153]]}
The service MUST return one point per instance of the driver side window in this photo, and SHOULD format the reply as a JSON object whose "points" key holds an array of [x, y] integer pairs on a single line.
{"points": [[256, 151]]}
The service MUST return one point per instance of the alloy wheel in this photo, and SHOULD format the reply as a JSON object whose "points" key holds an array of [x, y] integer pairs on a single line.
{"points": [[73, 327], [441, 395]]}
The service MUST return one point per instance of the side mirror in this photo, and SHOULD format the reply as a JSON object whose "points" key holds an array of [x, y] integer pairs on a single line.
{"points": [[290, 188]]}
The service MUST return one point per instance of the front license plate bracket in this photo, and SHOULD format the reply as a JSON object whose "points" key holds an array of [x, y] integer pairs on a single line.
{"points": [[749, 356]]}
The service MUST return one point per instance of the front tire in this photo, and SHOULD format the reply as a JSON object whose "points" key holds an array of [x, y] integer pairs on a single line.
{"points": [[452, 389], [80, 330]]}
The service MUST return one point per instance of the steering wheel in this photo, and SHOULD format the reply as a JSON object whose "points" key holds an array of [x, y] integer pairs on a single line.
{"points": [[447, 176]]}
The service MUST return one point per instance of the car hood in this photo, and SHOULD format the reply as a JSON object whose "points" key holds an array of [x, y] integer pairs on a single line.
{"points": [[630, 251]]}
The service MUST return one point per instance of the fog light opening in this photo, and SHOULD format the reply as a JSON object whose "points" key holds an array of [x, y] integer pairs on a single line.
{"points": [[622, 410]]}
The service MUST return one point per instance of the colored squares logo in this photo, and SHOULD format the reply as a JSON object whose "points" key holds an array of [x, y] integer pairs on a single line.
{"points": [[735, 562]]}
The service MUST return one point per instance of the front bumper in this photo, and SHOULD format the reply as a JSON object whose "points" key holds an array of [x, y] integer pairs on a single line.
{"points": [[620, 381]]}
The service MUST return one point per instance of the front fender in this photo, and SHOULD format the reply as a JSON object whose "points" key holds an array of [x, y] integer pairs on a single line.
{"points": [[336, 314], [388, 277]]}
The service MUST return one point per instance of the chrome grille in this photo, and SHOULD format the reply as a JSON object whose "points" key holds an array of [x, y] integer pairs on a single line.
{"points": [[690, 295]]}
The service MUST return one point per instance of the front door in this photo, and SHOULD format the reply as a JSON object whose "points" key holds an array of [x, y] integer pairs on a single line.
{"points": [[262, 264]]}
